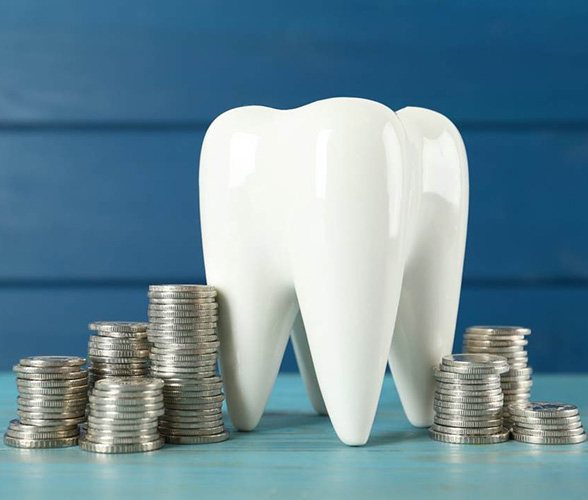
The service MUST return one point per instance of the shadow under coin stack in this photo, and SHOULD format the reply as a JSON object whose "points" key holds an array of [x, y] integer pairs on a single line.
{"points": [[123, 416], [547, 423], [508, 342], [52, 398], [118, 349], [184, 350], [468, 400]]}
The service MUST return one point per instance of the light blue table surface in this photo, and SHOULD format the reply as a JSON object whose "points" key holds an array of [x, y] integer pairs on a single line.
{"points": [[295, 454]]}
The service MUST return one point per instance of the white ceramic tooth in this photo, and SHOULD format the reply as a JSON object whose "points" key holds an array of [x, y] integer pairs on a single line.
{"points": [[311, 206], [427, 313], [306, 366]]}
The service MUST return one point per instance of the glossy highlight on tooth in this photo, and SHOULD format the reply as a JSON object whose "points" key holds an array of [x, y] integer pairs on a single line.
{"points": [[341, 224]]}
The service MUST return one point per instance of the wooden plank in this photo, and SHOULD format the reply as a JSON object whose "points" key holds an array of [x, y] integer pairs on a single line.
{"points": [[54, 320], [179, 61], [124, 206], [100, 206], [295, 454]]}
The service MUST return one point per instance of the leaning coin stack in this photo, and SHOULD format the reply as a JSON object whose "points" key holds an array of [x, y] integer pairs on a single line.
{"points": [[468, 400], [118, 349], [509, 342], [52, 397], [547, 423], [183, 333], [123, 416]]}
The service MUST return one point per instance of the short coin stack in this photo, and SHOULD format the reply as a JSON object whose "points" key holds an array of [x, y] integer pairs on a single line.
{"points": [[509, 342], [51, 402], [123, 416], [118, 349], [468, 400], [183, 333], [547, 423]]}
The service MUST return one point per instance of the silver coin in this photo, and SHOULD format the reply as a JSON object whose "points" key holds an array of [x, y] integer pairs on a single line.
{"points": [[53, 392], [155, 300], [481, 363], [138, 395], [182, 287], [501, 351], [30, 430], [464, 400], [521, 373], [195, 399], [49, 370], [51, 422], [192, 432], [177, 323], [118, 326], [52, 384], [53, 361], [51, 403], [190, 417], [453, 390], [549, 432], [543, 410], [79, 376], [111, 439], [178, 307], [121, 448], [124, 401], [122, 424], [466, 378], [464, 412], [40, 443], [184, 376], [129, 384], [118, 353], [499, 437], [498, 330], [127, 406], [168, 428], [217, 438], [467, 431], [182, 295], [496, 405], [540, 422], [461, 422], [172, 365], [494, 342], [120, 415], [576, 439]]}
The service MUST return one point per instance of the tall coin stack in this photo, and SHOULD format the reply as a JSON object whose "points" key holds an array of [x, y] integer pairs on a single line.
{"points": [[118, 349], [52, 398], [123, 416], [547, 423], [183, 333], [468, 400], [509, 342]]}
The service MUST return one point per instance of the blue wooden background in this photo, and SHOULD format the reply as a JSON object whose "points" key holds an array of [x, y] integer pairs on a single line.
{"points": [[103, 106]]}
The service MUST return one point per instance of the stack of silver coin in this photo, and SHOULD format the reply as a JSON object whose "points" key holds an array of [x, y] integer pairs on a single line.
{"points": [[52, 398], [509, 342], [123, 416], [468, 400], [183, 333], [118, 349], [547, 423]]}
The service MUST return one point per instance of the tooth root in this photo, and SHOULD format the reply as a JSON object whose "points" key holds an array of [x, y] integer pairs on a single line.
{"points": [[425, 325], [255, 322], [306, 366], [348, 268]]}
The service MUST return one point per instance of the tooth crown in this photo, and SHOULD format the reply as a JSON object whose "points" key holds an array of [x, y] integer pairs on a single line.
{"points": [[323, 222]]}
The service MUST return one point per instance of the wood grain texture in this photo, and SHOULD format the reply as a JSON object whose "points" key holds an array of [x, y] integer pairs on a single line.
{"points": [[116, 206], [295, 454], [53, 320], [181, 61]]}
